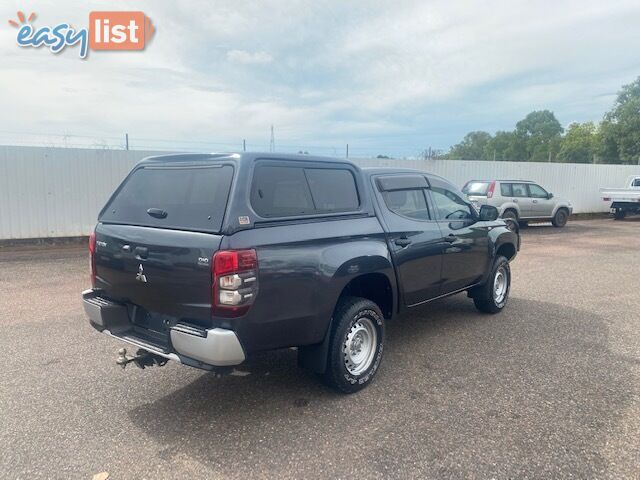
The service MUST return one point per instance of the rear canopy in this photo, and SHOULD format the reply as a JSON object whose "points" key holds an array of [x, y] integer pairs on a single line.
{"points": [[175, 197]]}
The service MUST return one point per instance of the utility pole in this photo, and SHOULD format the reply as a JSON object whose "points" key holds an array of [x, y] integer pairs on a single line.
{"points": [[244, 145], [272, 143], [126, 141], [347, 150]]}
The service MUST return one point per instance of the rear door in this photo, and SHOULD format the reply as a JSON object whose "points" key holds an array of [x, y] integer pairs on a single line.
{"points": [[466, 253], [157, 235], [413, 234], [520, 196]]}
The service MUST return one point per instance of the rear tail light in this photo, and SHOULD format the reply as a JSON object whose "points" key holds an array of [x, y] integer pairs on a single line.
{"points": [[606, 199], [492, 187], [92, 257], [234, 276]]}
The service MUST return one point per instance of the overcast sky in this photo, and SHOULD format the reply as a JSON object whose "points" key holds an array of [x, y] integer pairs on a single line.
{"points": [[390, 77]]}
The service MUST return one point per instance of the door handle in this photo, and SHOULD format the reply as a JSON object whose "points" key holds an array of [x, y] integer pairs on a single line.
{"points": [[535, 201], [515, 200], [402, 241]]}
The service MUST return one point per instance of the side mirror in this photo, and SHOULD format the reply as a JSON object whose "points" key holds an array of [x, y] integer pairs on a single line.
{"points": [[488, 213], [549, 196]]}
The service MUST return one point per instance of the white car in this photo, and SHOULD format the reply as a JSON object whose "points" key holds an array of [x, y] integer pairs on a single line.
{"points": [[520, 200], [623, 200]]}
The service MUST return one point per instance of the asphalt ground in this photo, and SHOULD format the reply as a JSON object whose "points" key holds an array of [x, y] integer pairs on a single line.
{"points": [[549, 388]]}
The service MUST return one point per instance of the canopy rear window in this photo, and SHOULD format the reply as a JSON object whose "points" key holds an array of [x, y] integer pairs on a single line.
{"points": [[185, 198]]}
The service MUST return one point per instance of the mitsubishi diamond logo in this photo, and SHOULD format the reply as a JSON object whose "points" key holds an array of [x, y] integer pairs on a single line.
{"points": [[140, 276]]}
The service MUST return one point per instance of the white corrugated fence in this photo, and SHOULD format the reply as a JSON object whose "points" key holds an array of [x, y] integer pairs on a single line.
{"points": [[580, 183], [57, 192]]}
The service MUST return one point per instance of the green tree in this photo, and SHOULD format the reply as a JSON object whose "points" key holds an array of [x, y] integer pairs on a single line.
{"points": [[472, 147], [620, 129], [505, 146], [539, 137], [607, 144], [541, 133], [579, 144]]}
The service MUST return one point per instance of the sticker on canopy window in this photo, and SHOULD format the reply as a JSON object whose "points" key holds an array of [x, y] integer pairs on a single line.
{"points": [[244, 220]]}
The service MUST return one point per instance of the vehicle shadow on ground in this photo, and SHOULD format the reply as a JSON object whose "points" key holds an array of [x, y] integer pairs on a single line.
{"points": [[529, 392], [548, 228], [629, 219]]}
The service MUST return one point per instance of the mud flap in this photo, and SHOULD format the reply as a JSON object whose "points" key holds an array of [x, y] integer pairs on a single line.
{"points": [[314, 357]]}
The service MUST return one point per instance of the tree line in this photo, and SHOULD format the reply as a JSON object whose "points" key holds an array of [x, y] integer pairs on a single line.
{"points": [[539, 137]]}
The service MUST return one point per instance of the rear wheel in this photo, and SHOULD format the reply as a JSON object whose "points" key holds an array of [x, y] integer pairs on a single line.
{"points": [[493, 295], [357, 340], [619, 214], [560, 218]]}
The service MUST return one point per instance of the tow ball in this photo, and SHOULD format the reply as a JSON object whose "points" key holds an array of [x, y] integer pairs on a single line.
{"points": [[141, 359]]}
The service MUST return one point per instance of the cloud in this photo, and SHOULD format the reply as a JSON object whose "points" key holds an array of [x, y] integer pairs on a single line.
{"points": [[242, 56], [385, 77]]}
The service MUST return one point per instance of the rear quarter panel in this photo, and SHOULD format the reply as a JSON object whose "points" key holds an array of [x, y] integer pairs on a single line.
{"points": [[303, 268]]}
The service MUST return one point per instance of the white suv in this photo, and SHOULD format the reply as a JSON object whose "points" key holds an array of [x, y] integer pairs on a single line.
{"points": [[520, 200]]}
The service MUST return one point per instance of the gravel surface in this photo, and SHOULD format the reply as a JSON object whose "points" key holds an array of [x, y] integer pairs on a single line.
{"points": [[549, 388]]}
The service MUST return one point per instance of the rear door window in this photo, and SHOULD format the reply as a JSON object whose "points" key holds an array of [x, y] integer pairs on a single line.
{"points": [[284, 191], [519, 189], [408, 203], [505, 189], [189, 198]]}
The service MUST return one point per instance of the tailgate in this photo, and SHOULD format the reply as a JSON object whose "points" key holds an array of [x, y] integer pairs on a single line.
{"points": [[621, 194], [156, 237], [162, 270]]}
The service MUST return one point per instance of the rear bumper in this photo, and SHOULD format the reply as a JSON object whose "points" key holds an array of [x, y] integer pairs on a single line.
{"points": [[203, 348]]}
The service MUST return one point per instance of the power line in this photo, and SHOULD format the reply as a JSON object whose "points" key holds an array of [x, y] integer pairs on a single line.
{"points": [[167, 144], [232, 142]]}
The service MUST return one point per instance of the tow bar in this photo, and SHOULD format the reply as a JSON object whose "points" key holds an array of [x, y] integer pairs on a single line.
{"points": [[141, 359]]}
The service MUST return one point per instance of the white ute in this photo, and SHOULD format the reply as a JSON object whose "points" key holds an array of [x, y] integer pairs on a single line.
{"points": [[623, 200]]}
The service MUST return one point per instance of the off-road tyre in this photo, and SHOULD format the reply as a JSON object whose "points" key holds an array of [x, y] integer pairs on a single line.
{"points": [[354, 318], [493, 295]]}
